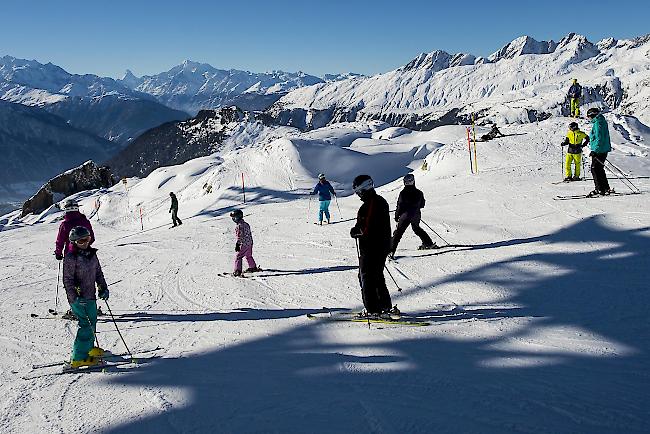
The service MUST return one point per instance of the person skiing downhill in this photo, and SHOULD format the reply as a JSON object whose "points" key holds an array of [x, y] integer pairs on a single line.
{"points": [[409, 203], [600, 145], [576, 140], [574, 94], [81, 274], [243, 244], [71, 219], [325, 192], [372, 230], [174, 210]]}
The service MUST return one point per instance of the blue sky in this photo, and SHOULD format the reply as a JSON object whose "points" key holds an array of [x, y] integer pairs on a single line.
{"points": [[325, 36]]}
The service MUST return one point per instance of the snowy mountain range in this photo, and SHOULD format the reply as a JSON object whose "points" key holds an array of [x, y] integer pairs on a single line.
{"points": [[525, 80], [192, 86]]}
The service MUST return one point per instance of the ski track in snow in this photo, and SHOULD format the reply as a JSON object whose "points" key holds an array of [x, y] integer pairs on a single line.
{"points": [[550, 335]]}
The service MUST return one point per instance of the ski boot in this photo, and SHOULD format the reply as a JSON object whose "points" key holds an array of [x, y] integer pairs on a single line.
{"points": [[96, 352], [568, 179], [77, 364], [69, 315], [237, 273], [391, 256], [428, 246], [576, 178], [392, 313], [253, 270]]}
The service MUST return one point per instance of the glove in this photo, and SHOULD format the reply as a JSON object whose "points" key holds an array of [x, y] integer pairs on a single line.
{"points": [[355, 232], [58, 256], [103, 293], [237, 246]]}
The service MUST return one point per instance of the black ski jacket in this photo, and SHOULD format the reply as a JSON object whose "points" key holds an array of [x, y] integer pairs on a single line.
{"points": [[575, 91], [373, 221], [174, 203], [410, 201]]}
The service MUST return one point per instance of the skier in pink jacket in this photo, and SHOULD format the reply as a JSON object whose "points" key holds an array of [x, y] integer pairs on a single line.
{"points": [[244, 244]]}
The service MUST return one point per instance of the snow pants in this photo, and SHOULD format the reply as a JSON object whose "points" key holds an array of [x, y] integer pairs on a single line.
{"points": [[175, 220], [572, 158], [402, 224], [376, 297], [86, 313], [598, 172], [324, 209], [244, 252], [575, 107]]}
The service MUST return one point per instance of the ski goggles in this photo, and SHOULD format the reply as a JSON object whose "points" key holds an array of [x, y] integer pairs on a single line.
{"points": [[82, 241], [364, 186]]}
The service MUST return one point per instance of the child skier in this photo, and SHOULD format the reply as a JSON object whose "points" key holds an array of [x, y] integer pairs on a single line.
{"points": [[325, 192], [410, 201], [576, 140], [243, 245], [81, 272]]}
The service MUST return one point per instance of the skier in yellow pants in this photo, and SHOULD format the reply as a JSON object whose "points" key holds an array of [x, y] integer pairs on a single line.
{"points": [[575, 93], [576, 140]]}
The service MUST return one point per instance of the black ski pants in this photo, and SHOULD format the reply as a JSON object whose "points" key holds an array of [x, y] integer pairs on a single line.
{"points": [[598, 172], [175, 220], [373, 285], [404, 221]]}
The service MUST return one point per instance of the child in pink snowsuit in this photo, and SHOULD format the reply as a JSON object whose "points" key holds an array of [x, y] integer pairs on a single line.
{"points": [[244, 244]]}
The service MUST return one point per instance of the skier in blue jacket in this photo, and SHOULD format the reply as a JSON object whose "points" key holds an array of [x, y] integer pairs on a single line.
{"points": [[325, 192], [600, 145]]}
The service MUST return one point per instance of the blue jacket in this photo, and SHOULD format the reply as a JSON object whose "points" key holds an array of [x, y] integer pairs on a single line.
{"points": [[324, 191], [599, 136]]}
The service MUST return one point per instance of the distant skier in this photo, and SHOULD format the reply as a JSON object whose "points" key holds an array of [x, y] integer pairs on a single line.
{"points": [[325, 192], [492, 134], [81, 273], [243, 244], [574, 94], [409, 203], [576, 140], [373, 233], [600, 145], [174, 210]]}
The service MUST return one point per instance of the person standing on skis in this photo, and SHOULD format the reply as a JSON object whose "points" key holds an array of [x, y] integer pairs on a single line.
{"points": [[372, 231], [409, 204], [174, 210], [600, 145], [576, 140], [82, 273], [243, 244], [574, 94], [325, 192]]}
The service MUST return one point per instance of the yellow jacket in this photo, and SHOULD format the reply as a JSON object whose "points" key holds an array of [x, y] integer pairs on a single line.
{"points": [[574, 139]]}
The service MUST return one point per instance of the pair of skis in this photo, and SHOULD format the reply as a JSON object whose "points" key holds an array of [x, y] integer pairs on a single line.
{"points": [[589, 196], [401, 319]]}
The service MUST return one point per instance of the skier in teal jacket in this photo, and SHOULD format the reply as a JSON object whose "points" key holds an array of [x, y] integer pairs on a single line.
{"points": [[600, 146]]}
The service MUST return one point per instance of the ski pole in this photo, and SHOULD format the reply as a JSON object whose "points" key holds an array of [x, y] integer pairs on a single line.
{"points": [[356, 241], [336, 199], [622, 173], [309, 208], [391, 276], [433, 230], [56, 301], [118, 330]]}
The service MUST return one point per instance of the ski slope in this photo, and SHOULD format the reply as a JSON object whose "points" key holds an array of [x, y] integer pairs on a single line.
{"points": [[550, 332]]}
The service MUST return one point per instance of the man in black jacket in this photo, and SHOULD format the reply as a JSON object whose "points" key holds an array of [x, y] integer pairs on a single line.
{"points": [[373, 234], [174, 210], [410, 201]]}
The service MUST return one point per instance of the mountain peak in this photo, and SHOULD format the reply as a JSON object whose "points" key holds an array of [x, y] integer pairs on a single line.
{"points": [[523, 45]]}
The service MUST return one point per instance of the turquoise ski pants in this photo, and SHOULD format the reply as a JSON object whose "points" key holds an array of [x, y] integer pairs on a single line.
{"points": [[324, 209], [86, 313]]}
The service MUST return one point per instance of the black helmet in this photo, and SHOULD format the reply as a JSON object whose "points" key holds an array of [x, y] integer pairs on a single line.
{"points": [[236, 215], [321, 176], [171, 193], [409, 179], [78, 232], [573, 126], [362, 184], [593, 112]]}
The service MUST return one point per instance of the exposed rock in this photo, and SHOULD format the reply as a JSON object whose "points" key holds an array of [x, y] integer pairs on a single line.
{"points": [[88, 176]]}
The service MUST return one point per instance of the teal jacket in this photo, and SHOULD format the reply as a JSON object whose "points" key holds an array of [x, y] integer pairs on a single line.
{"points": [[599, 136]]}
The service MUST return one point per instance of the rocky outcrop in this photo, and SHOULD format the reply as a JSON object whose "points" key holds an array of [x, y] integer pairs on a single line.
{"points": [[88, 176]]}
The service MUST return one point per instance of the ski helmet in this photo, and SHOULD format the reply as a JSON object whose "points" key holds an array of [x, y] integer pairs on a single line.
{"points": [[362, 183], [593, 112], [409, 179], [78, 232], [71, 205], [236, 215], [573, 126], [321, 176]]}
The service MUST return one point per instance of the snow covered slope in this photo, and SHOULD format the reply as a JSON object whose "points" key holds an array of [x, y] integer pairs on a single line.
{"points": [[524, 81], [549, 331]]}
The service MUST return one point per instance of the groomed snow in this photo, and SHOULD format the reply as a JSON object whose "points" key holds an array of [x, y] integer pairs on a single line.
{"points": [[552, 336]]}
